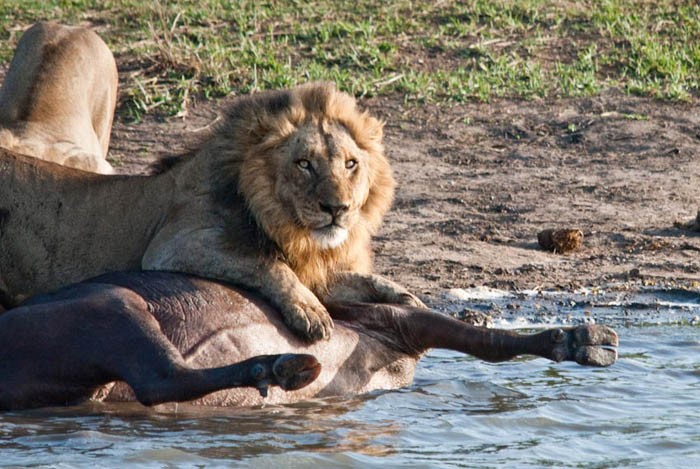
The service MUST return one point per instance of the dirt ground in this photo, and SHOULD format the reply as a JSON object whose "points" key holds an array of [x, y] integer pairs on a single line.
{"points": [[477, 182]]}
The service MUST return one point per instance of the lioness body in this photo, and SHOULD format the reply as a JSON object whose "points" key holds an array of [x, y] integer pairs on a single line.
{"points": [[58, 225], [58, 98], [282, 198]]}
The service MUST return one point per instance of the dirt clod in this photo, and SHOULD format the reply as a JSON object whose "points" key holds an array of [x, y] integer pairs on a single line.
{"points": [[693, 225], [560, 241]]}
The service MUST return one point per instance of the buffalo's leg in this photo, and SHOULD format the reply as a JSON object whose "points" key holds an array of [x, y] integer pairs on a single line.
{"points": [[178, 383], [62, 350], [422, 329]]}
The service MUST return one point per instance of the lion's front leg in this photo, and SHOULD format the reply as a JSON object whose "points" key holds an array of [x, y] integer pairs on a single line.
{"points": [[301, 309], [201, 252], [369, 288]]}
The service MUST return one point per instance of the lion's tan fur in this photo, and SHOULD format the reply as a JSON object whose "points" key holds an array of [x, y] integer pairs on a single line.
{"points": [[316, 104], [58, 98], [237, 208]]}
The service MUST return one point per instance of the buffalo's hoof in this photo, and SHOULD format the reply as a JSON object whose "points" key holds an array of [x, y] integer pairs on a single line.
{"points": [[295, 371], [289, 371], [591, 344], [594, 345]]}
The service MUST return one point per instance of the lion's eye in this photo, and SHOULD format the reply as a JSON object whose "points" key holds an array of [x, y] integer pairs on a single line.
{"points": [[304, 164], [350, 164]]}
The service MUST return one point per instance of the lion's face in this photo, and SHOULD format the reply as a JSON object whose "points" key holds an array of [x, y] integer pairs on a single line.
{"points": [[323, 180], [312, 171]]}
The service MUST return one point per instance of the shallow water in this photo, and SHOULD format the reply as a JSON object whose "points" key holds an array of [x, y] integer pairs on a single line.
{"points": [[644, 411]]}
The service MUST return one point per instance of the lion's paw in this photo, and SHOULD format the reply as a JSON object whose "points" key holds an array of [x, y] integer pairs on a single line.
{"points": [[387, 291], [409, 299], [308, 319]]}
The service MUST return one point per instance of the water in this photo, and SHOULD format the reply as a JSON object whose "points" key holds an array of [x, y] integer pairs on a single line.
{"points": [[460, 412]]}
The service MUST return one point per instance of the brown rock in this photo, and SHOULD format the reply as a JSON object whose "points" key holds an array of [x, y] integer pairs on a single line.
{"points": [[560, 241]]}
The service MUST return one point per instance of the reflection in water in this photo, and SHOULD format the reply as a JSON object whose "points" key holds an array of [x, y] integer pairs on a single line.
{"points": [[132, 433], [459, 412]]}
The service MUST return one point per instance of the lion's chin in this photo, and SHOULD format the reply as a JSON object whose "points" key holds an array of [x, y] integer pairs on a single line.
{"points": [[329, 237]]}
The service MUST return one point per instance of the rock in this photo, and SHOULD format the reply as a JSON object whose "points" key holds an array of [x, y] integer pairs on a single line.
{"points": [[475, 318], [560, 241], [693, 225]]}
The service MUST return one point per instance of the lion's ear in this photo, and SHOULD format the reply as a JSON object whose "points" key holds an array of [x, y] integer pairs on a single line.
{"points": [[374, 129], [367, 131]]}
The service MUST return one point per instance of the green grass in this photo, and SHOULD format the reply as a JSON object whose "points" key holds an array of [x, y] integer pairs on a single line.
{"points": [[174, 52]]}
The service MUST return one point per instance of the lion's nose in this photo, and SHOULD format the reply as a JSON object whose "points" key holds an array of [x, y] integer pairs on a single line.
{"points": [[334, 209]]}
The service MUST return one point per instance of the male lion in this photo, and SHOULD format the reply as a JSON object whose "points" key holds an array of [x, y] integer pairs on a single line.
{"points": [[282, 198], [58, 98]]}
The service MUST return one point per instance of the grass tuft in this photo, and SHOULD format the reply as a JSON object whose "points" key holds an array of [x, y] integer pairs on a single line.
{"points": [[172, 53]]}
